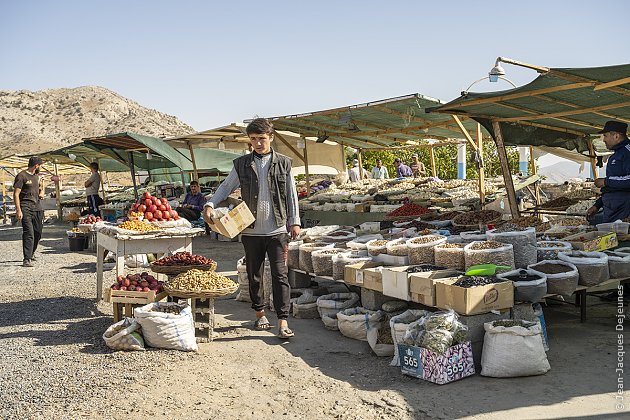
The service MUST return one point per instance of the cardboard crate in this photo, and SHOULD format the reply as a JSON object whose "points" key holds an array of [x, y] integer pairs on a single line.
{"points": [[396, 282], [234, 222], [474, 300], [593, 241], [426, 300], [456, 363], [373, 279], [353, 273], [424, 283]]}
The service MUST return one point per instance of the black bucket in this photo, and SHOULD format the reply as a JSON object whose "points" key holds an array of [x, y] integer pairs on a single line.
{"points": [[77, 243]]}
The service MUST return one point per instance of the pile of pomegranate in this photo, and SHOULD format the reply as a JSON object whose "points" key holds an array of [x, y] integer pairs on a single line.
{"points": [[91, 219], [153, 209], [138, 282]]}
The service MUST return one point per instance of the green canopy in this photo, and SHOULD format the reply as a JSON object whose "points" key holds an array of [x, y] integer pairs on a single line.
{"points": [[211, 160], [83, 154], [562, 107]]}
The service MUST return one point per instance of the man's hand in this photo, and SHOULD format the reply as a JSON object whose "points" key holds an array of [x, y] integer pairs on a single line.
{"points": [[294, 232], [18, 214], [600, 182], [592, 211], [208, 212]]}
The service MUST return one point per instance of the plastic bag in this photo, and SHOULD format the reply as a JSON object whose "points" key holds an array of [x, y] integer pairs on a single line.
{"points": [[523, 243], [376, 247], [513, 351], [293, 254], [618, 264], [306, 250], [592, 266], [437, 341], [243, 282], [136, 261], [322, 261], [398, 325], [421, 248], [450, 255], [548, 250], [305, 306], [471, 236], [499, 255], [397, 247], [124, 335], [331, 304], [164, 330], [355, 322], [562, 276]]}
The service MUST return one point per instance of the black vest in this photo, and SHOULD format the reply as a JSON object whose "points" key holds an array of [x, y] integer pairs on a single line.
{"points": [[279, 169]]}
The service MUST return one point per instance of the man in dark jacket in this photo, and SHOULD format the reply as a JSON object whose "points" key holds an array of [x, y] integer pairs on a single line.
{"points": [[27, 196], [268, 189], [615, 187]]}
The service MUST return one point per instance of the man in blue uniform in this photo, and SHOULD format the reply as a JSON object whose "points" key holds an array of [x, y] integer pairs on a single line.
{"points": [[615, 198]]}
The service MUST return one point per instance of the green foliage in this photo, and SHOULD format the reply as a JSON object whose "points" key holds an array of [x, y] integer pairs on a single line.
{"points": [[445, 160]]}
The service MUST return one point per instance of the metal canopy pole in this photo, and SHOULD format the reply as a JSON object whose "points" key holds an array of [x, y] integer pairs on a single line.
{"points": [[505, 167], [482, 171], [133, 175]]}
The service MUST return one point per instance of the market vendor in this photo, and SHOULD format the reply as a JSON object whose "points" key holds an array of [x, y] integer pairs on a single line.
{"points": [[615, 199], [379, 171], [417, 167], [268, 189], [354, 174], [92, 186], [402, 170], [193, 203]]}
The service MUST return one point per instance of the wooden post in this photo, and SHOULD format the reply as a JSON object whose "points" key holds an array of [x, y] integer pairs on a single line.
{"points": [[482, 171], [306, 172], [194, 163], [133, 175], [4, 201], [591, 152], [505, 167], [103, 176], [360, 159], [534, 172], [433, 168], [58, 193]]}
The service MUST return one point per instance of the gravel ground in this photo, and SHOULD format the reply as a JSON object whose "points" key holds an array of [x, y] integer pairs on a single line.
{"points": [[55, 364]]}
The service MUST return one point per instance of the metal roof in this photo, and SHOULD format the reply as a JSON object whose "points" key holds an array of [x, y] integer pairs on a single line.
{"points": [[562, 107], [386, 123]]}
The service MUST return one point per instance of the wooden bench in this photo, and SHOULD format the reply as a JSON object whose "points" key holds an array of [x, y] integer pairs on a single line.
{"points": [[582, 291]]}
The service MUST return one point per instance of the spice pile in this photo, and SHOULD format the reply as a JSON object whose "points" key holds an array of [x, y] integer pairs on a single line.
{"points": [[409, 210]]}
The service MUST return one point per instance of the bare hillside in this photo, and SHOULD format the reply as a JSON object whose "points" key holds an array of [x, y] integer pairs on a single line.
{"points": [[32, 122]]}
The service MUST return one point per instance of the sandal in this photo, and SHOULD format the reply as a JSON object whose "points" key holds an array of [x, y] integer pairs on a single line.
{"points": [[262, 323], [285, 332]]}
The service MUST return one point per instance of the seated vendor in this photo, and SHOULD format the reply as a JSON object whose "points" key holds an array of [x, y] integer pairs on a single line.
{"points": [[193, 203]]}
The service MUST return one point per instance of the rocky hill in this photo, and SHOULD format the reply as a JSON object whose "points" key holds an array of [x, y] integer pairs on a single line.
{"points": [[32, 122]]}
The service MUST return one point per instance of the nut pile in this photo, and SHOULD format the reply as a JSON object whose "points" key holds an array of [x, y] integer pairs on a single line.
{"points": [[421, 249], [477, 246], [137, 225], [560, 202], [476, 217], [322, 261], [450, 256], [398, 247], [376, 247], [200, 280], [410, 209], [510, 227]]}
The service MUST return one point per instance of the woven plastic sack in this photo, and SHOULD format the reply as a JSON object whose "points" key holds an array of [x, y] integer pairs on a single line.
{"points": [[167, 330], [124, 335], [305, 306], [523, 243], [322, 261], [548, 250], [355, 322], [563, 283], [471, 236], [503, 255], [306, 250], [293, 254], [397, 247], [592, 266], [421, 252], [243, 282], [618, 263], [450, 255], [527, 291], [398, 325], [330, 305], [510, 352], [376, 248], [379, 335]]}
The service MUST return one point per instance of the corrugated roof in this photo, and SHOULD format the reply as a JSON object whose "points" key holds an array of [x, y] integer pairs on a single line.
{"points": [[392, 122]]}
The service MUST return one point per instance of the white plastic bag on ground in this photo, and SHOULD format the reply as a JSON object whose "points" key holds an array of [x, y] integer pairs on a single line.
{"points": [[331, 304], [355, 322], [124, 335], [510, 352], [164, 330], [398, 325]]}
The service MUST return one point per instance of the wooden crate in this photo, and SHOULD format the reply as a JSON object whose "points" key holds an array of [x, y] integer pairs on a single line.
{"points": [[125, 301]]}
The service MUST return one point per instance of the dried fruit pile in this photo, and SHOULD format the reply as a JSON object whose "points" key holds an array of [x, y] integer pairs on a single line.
{"points": [[138, 283], [473, 281], [408, 210], [200, 280], [184, 258], [153, 208], [137, 225], [560, 202], [475, 217], [424, 268]]}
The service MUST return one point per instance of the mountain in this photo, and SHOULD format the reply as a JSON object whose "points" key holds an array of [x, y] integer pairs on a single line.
{"points": [[32, 122]]}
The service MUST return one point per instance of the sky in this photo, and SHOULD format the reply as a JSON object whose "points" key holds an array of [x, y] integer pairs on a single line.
{"points": [[211, 63]]}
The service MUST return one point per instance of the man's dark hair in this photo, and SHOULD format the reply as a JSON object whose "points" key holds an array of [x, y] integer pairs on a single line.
{"points": [[94, 165], [194, 183], [259, 126]]}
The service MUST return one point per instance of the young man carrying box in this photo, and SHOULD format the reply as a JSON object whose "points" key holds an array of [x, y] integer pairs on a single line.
{"points": [[268, 189]]}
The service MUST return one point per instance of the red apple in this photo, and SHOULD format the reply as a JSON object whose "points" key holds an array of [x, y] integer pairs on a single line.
{"points": [[173, 214], [134, 206]]}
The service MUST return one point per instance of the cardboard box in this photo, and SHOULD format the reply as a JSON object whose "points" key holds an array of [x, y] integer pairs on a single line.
{"points": [[593, 241], [234, 222], [456, 363], [426, 300], [373, 279], [361, 208], [474, 300], [396, 282], [354, 273], [424, 283]]}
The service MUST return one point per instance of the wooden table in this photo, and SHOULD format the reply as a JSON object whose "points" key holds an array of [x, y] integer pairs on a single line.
{"points": [[582, 291], [135, 245]]}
